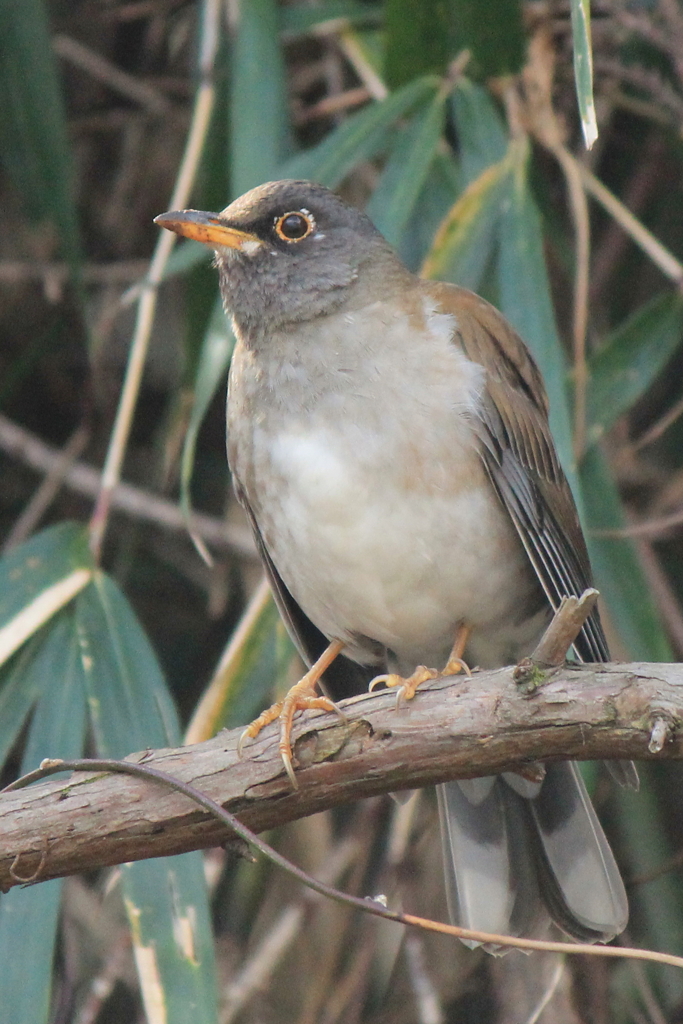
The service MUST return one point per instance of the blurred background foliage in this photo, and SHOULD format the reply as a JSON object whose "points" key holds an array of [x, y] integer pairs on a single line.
{"points": [[457, 125]]}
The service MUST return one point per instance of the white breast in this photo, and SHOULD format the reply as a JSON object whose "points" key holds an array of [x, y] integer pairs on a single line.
{"points": [[373, 504]]}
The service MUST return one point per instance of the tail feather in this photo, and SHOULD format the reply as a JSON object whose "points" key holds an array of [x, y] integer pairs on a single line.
{"points": [[581, 882], [516, 856]]}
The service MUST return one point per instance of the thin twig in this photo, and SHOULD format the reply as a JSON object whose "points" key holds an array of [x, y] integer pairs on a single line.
{"points": [[201, 119], [453, 728], [86, 480], [367, 905], [663, 593], [104, 71], [280, 935], [653, 528], [564, 628], [429, 1009], [48, 490], [654, 432], [352, 50], [549, 992], [651, 246], [581, 219], [116, 272]]}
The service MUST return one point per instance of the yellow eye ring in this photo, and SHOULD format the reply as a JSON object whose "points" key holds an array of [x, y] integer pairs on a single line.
{"points": [[294, 226]]}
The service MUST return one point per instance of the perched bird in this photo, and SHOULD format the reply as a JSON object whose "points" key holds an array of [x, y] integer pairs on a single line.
{"points": [[388, 438]]}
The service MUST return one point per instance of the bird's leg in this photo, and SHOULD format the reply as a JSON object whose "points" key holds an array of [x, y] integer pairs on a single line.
{"points": [[408, 686], [301, 696]]}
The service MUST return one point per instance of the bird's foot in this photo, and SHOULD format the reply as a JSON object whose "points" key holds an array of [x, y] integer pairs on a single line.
{"points": [[301, 697], [407, 687]]}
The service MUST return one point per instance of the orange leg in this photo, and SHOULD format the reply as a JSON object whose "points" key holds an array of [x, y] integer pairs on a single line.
{"points": [[455, 664], [301, 696]]}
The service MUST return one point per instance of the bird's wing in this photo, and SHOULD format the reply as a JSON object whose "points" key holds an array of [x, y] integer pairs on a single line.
{"points": [[344, 678], [520, 458]]}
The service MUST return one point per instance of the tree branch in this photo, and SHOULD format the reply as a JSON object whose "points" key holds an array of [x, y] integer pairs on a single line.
{"points": [[454, 728]]}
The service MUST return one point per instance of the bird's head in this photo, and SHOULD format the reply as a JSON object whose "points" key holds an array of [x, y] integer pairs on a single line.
{"points": [[289, 251]]}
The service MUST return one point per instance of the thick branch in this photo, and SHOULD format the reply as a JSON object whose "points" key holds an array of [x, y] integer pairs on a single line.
{"points": [[454, 728]]}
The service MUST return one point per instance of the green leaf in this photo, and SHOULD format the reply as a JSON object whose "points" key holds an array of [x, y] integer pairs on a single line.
{"points": [[213, 364], [37, 579], [616, 568], [632, 357], [43, 560], [130, 707], [29, 917], [525, 300], [257, 655], [359, 138], [165, 899], [394, 198], [482, 135], [259, 140], [299, 19], [657, 904], [34, 143], [465, 243], [418, 39], [493, 33], [168, 912], [185, 256], [583, 68], [442, 186]]}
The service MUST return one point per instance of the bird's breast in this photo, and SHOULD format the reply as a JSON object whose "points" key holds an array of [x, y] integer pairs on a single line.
{"points": [[364, 475]]}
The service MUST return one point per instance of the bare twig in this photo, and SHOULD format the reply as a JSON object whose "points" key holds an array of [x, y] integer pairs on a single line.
{"points": [[368, 905], [48, 489], [452, 729], [116, 272], [203, 109], [86, 480], [255, 972], [104, 71], [564, 628], [659, 526]]}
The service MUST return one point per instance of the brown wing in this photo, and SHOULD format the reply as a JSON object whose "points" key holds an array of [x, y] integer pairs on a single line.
{"points": [[520, 458]]}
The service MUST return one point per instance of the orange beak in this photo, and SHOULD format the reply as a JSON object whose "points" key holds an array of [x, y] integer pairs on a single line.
{"points": [[207, 228]]}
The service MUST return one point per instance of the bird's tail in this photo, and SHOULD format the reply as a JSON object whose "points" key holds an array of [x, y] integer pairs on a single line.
{"points": [[518, 852]]}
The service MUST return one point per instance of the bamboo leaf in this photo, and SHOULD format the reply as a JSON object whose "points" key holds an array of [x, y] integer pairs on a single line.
{"points": [[360, 137], [631, 358], [29, 917], [617, 571], [34, 144], [255, 657], [493, 34], [165, 899], [465, 243], [213, 364], [418, 39], [482, 135], [583, 68], [37, 579], [259, 140], [657, 904], [526, 302], [393, 201], [302, 18]]}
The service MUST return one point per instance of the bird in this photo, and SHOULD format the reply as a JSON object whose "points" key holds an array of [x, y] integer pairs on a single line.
{"points": [[388, 439]]}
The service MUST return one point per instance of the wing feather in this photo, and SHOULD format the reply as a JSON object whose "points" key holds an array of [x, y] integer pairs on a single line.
{"points": [[520, 458]]}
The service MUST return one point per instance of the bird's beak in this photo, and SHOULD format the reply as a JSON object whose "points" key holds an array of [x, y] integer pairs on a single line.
{"points": [[207, 228]]}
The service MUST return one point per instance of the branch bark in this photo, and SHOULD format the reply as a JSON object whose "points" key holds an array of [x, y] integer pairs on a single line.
{"points": [[454, 728]]}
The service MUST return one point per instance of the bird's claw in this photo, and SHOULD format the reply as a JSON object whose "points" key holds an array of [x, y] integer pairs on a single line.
{"points": [[284, 710]]}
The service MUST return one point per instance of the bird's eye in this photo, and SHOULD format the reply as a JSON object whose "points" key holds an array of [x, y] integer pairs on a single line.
{"points": [[294, 226]]}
